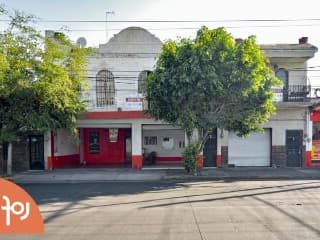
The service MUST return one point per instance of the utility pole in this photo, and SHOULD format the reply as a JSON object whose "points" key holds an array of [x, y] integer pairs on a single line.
{"points": [[108, 12]]}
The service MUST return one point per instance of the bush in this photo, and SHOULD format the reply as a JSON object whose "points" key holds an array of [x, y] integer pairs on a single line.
{"points": [[189, 155]]}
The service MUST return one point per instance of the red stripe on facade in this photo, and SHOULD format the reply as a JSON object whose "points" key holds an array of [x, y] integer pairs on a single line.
{"points": [[169, 159], [116, 115]]}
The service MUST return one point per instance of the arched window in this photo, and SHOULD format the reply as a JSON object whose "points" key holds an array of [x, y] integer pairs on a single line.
{"points": [[141, 79], [282, 74], [105, 88]]}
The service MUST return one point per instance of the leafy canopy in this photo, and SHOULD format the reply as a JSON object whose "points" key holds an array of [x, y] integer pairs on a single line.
{"points": [[39, 79], [212, 82]]}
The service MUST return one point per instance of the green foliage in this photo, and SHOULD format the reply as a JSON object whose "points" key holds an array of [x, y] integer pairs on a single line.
{"points": [[212, 82], [39, 80], [189, 155]]}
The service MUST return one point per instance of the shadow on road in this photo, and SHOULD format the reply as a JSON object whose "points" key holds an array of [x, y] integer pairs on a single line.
{"points": [[74, 194]]}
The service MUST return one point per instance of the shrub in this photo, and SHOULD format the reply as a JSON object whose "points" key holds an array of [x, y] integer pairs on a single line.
{"points": [[189, 155]]}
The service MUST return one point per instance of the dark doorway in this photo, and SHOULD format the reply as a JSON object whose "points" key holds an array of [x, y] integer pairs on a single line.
{"points": [[128, 146], [36, 148], [294, 148], [210, 150]]}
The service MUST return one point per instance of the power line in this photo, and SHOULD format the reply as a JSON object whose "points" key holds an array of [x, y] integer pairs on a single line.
{"points": [[185, 28], [172, 21]]}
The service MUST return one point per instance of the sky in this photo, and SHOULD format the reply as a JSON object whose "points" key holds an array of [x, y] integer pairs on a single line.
{"points": [[198, 10]]}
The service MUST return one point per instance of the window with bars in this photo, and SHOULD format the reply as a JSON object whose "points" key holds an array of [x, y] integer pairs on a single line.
{"points": [[141, 79], [105, 88]]}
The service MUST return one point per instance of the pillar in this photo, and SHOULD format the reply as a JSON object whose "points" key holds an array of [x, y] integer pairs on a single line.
{"points": [[218, 157], [136, 132], [308, 141], [48, 150]]}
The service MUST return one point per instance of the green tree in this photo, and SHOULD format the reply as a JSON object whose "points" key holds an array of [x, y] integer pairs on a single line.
{"points": [[40, 80], [211, 82]]}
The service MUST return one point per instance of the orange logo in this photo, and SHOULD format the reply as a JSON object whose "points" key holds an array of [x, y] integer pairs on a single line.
{"points": [[19, 214]]}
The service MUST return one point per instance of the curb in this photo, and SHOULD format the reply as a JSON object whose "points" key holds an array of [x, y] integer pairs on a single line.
{"points": [[237, 178]]}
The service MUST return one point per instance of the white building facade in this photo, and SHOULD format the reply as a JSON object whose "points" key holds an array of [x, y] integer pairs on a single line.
{"points": [[115, 131]]}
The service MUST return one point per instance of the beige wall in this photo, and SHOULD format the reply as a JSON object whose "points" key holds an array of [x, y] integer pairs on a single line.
{"points": [[64, 144], [295, 77]]}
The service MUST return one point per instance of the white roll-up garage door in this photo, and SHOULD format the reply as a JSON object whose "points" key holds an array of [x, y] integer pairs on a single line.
{"points": [[251, 151]]}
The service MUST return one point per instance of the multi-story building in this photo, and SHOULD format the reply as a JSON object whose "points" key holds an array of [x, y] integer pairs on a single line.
{"points": [[115, 131]]}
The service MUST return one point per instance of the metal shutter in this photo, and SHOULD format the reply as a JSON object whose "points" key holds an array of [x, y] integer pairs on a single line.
{"points": [[255, 150]]}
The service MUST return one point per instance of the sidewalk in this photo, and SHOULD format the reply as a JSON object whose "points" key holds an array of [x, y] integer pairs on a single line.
{"points": [[127, 174]]}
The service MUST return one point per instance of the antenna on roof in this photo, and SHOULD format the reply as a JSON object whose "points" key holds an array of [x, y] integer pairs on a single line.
{"points": [[109, 12]]}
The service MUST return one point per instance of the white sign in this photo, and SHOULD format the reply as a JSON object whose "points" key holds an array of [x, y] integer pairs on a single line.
{"points": [[113, 134], [16, 208], [134, 103]]}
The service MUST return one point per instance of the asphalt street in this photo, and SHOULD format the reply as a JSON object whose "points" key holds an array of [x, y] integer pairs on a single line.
{"points": [[179, 210]]}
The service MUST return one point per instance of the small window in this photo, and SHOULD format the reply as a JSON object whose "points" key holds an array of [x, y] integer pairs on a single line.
{"points": [[105, 88], [150, 140], [94, 146], [181, 144], [282, 74]]}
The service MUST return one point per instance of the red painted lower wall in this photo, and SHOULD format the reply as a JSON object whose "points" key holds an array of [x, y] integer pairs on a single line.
{"points": [[308, 159], [169, 159], [64, 161]]}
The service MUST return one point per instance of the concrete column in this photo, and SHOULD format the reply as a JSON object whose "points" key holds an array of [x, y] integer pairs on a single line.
{"points": [[136, 131], [48, 143], [219, 140], [308, 141]]}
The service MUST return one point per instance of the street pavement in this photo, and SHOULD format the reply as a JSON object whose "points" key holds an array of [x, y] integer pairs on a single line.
{"points": [[154, 210], [156, 174]]}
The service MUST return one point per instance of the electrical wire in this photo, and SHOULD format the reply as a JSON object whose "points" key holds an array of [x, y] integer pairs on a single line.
{"points": [[171, 21]]}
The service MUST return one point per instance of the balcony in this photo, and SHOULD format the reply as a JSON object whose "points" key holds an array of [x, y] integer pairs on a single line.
{"points": [[293, 93]]}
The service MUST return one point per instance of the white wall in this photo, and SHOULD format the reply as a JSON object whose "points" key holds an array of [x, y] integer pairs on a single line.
{"points": [[127, 54], [177, 135]]}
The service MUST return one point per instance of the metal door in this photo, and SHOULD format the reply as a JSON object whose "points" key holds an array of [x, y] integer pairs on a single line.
{"points": [[36, 155], [210, 150], [294, 148]]}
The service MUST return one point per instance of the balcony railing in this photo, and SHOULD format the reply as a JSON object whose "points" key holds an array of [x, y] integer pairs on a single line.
{"points": [[293, 93]]}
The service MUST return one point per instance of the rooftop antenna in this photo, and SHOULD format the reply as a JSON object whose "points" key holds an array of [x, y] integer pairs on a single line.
{"points": [[108, 12]]}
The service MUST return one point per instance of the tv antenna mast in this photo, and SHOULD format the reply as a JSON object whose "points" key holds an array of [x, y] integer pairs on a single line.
{"points": [[110, 13]]}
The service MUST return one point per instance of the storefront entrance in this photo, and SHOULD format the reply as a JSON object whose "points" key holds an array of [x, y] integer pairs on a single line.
{"points": [[36, 151], [105, 146]]}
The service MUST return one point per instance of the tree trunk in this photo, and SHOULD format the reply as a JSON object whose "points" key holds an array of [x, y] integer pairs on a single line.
{"points": [[203, 140], [189, 137], [9, 159]]}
